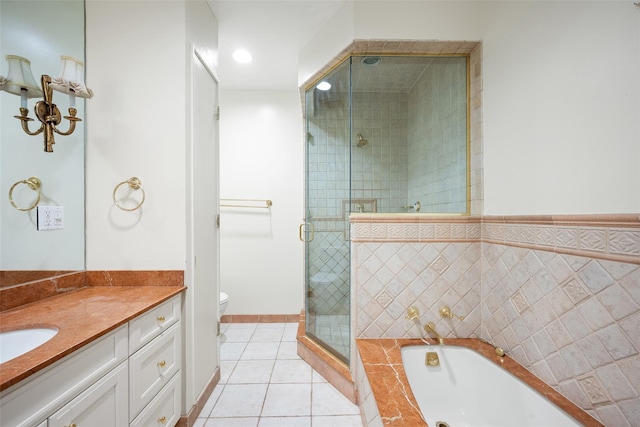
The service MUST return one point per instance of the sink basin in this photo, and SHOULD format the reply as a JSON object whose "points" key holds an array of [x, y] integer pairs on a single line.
{"points": [[18, 342]]}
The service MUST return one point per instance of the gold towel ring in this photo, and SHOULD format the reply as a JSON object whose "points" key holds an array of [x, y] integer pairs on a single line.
{"points": [[135, 184], [34, 184]]}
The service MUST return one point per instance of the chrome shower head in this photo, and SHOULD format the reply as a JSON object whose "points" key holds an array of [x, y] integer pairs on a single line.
{"points": [[361, 141]]}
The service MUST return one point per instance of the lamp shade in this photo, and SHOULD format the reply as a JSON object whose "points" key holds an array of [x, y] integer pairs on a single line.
{"points": [[71, 78], [20, 77]]}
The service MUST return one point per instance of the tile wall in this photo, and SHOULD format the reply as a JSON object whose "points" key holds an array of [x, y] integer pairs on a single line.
{"points": [[561, 294], [437, 114]]}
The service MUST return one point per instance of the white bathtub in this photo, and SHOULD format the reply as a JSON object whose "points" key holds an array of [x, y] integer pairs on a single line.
{"points": [[467, 390]]}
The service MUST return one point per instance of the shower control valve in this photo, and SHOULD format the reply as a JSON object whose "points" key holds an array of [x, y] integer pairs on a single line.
{"points": [[445, 312], [412, 313]]}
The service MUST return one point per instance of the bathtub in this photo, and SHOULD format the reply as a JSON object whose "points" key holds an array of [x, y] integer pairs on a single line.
{"points": [[466, 389]]}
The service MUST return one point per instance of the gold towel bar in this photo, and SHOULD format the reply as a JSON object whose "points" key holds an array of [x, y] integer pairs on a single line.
{"points": [[245, 203]]}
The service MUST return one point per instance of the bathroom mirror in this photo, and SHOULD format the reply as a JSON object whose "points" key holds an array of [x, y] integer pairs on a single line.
{"points": [[41, 31]]}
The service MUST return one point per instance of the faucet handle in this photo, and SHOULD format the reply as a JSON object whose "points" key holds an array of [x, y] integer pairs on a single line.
{"points": [[412, 313], [445, 311]]}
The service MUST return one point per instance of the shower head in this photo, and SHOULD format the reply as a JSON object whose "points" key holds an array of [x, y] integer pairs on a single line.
{"points": [[361, 141]]}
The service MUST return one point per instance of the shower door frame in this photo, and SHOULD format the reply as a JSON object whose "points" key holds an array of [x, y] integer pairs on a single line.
{"points": [[308, 230]]}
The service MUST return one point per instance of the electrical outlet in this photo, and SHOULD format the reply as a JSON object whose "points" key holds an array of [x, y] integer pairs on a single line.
{"points": [[50, 218]]}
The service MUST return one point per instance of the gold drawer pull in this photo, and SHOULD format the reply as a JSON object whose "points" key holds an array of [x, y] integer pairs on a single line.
{"points": [[71, 425], [161, 319], [162, 420], [162, 363]]}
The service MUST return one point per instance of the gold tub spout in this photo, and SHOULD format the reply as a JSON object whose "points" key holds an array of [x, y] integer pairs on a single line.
{"points": [[431, 327], [432, 359]]}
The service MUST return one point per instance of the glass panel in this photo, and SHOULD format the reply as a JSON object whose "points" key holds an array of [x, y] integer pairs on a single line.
{"points": [[390, 135], [327, 211], [410, 134]]}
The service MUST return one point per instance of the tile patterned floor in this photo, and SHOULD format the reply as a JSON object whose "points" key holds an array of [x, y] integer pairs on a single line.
{"points": [[265, 384]]}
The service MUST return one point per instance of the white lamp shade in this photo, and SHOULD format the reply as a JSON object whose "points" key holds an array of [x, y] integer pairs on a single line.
{"points": [[20, 77], [71, 78]]}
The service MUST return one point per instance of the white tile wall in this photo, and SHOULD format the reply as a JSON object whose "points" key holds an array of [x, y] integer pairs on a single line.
{"points": [[572, 320]]}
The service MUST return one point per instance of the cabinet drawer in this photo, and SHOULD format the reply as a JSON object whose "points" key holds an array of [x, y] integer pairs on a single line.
{"points": [[152, 367], [164, 409], [150, 324], [104, 404], [37, 397]]}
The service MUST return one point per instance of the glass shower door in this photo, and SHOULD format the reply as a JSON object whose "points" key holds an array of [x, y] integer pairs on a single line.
{"points": [[327, 206]]}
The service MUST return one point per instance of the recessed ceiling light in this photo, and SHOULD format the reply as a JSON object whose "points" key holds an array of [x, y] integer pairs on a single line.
{"points": [[242, 56], [324, 85]]}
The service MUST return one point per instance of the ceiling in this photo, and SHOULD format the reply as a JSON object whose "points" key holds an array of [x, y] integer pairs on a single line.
{"points": [[274, 32]]}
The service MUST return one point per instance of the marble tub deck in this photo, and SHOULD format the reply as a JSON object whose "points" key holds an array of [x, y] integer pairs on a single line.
{"points": [[382, 360]]}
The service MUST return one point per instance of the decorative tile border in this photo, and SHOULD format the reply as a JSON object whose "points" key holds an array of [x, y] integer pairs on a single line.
{"points": [[609, 237]]}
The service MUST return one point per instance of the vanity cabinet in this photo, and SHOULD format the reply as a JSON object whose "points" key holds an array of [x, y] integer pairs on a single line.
{"points": [[131, 376], [35, 399], [154, 366], [102, 404]]}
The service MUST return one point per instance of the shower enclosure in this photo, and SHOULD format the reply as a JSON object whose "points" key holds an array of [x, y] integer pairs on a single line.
{"points": [[385, 134]]}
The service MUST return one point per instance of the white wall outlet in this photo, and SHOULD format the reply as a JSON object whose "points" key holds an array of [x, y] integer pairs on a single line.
{"points": [[50, 218]]}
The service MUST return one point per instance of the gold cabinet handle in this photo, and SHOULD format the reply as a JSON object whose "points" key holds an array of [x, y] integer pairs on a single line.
{"points": [[71, 425], [162, 420], [160, 319], [162, 363]]}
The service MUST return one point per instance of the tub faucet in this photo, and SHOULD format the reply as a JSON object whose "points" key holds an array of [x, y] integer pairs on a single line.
{"points": [[431, 327]]}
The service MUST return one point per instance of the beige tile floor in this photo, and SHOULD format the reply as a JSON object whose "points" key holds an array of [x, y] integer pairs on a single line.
{"points": [[265, 384]]}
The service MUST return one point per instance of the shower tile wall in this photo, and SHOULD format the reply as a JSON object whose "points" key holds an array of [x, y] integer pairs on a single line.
{"points": [[437, 142], [379, 170], [328, 188], [572, 320]]}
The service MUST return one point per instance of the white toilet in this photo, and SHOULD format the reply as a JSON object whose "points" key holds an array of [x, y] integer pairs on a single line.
{"points": [[323, 278], [224, 300]]}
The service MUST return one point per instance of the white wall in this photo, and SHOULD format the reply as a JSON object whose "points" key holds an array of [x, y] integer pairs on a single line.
{"points": [[137, 55], [561, 107], [137, 116], [561, 94], [389, 20], [261, 155]]}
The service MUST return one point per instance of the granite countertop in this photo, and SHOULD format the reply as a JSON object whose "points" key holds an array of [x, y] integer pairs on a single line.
{"points": [[382, 360], [81, 316]]}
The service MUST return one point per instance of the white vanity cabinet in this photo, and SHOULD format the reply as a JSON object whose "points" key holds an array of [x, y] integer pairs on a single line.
{"points": [[102, 404], [35, 399], [154, 366], [131, 376]]}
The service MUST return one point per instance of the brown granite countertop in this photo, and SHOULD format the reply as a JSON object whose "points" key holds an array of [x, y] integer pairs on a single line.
{"points": [[81, 316], [382, 360]]}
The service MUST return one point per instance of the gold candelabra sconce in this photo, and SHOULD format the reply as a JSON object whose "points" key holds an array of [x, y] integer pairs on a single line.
{"points": [[20, 81]]}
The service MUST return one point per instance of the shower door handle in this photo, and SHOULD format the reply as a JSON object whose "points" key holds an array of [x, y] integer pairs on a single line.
{"points": [[301, 232]]}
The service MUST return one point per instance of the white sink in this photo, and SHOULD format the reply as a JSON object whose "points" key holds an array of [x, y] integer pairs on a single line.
{"points": [[18, 342]]}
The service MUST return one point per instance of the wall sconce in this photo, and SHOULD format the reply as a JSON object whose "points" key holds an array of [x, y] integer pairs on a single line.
{"points": [[20, 81]]}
